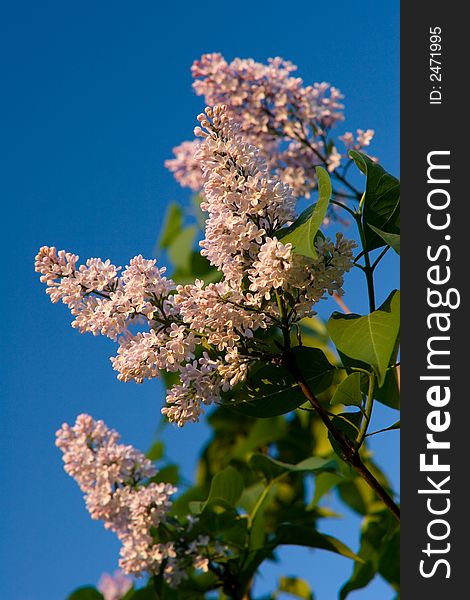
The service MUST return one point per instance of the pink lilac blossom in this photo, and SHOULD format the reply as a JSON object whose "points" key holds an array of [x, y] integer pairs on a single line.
{"points": [[114, 586], [102, 302], [243, 201], [185, 167], [286, 120], [363, 139], [206, 334], [115, 480], [245, 208]]}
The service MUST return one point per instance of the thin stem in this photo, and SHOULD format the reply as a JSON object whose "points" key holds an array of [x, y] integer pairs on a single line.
{"points": [[359, 267], [343, 206], [260, 501], [368, 411], [358, 257], [379, 258], [335, 173], [349, 451], [344, 195], [367, 266], [284, 320]]}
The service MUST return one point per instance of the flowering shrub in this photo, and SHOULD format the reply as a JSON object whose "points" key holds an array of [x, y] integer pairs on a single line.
{"points": [[243, 335]]}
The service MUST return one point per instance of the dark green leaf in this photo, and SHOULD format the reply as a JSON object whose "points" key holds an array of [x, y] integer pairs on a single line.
{"points": [[300, 535], [167, 474], [389, 562], [322, 377], [391, 239], [85, 593], [389, 392], [370, 339], [269, 392], [379, 545], [147, 593], [362, 576], [272, 468], [381, 200], [226, 485]]}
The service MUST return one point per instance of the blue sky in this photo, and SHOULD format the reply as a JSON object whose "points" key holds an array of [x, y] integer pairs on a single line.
{"points": [[95, 96]]}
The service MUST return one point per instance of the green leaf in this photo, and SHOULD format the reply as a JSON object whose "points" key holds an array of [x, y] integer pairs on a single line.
{"points": [[272, 468], [171, 225], [354, 495], [300, 535], [379, 546], [381, 200], [86, 593], [218, 517], [391, 239], [147, 593], [156, 451], [391, 428], [257, 517], [389, 563], [263, 432], [324, 482], [301, 234], [296, 587], [180, 249], [370, 339], [226, 485], [271, 390], [167, 474], [348, 392], [389, 392], [362, 576]]}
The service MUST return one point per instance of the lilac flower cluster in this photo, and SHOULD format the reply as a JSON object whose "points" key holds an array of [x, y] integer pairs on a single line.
{"points": [[116, 481], [205, 333], [287, 121]]}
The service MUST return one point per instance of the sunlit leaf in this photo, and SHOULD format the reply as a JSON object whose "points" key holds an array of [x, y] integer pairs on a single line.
{"points": [[391, 239], [301, 234], [295, 587], [370, 339], [349, 392]]}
